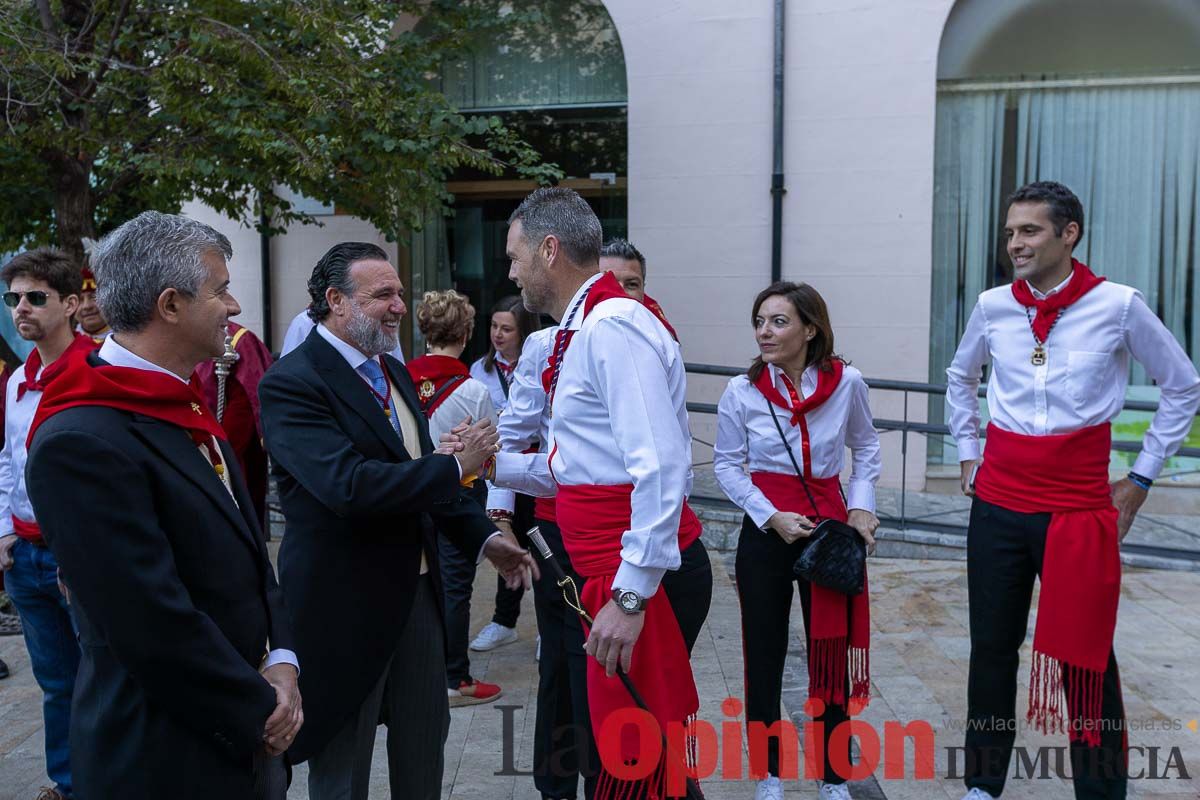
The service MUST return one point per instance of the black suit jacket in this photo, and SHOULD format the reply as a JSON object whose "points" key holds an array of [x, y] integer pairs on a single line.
{"points": [[174, 598], [358, 511]]}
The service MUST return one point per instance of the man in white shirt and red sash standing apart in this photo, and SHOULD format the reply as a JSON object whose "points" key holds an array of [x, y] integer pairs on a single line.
{"points": [[1059, 340], [620, 459]]}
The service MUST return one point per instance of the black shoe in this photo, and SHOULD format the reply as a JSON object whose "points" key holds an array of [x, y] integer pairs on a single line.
{"points": [[3, 669]]}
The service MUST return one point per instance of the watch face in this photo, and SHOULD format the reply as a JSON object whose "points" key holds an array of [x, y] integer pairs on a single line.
{"points": [[629, 601]]}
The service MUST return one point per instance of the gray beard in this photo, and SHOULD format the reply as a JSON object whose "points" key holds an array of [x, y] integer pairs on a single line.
{"points": [[369, 335]]}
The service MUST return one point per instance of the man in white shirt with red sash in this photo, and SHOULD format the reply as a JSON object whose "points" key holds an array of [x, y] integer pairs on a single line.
{"points": [[620, 460], [1059, 340]]}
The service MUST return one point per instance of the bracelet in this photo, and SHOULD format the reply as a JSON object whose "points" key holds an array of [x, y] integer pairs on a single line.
{"points": [[1140, 481], [499, 514], [488, 470]]}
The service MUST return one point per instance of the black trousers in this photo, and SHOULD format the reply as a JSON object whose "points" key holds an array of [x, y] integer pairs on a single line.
{"points": [[765, 585], [458, 580], [508, 601], [1004, 555]]}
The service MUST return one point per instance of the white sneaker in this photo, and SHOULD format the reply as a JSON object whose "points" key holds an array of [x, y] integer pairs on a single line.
{"points": [[537, 653], [492, 636], [977, 794], [831, 792], [770, 788]]}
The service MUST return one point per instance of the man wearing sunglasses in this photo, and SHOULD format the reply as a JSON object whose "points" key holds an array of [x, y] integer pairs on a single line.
{"points": [[42, 296]]}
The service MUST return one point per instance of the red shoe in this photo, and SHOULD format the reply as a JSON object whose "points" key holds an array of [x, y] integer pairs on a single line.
{"points": [[472, 693]]}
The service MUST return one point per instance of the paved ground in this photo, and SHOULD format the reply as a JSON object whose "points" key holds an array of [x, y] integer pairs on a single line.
{"points": [[919, 657]]}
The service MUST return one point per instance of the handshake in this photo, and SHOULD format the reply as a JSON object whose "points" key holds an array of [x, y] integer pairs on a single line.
{"points": [[471, 443]]}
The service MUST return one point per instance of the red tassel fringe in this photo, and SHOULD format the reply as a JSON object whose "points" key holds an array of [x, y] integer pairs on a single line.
{"points": [[653, 787], [828, 662], [1052, 682]]}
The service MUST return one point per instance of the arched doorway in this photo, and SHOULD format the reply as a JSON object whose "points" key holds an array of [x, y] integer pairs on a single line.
{"points": [[1099, 95], [558, 79]]}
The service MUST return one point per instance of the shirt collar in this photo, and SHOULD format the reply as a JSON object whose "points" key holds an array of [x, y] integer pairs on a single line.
{"points": [[352, 354], [113, 353], [577, 322], [808, 380], [1055, 290]]}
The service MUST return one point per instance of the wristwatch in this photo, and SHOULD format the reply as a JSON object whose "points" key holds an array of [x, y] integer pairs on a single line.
{"points": [[628, 601]]}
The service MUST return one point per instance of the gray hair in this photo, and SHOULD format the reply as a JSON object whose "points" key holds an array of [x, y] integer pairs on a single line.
{"points": [[146, 256], [562, 213]]}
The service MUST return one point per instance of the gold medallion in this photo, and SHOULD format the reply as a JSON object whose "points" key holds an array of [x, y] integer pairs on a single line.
{"points": [[426, 389], [1039, 356]]}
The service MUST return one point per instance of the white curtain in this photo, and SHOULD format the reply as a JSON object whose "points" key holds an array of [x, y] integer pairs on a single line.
{"points": [[1131, 155], [966, 205]]}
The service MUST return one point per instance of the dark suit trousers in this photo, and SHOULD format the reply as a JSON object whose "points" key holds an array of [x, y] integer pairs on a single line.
{"points": [[766, 586], [508, 601], [410, 698], [458, 582], [1004, 555]]}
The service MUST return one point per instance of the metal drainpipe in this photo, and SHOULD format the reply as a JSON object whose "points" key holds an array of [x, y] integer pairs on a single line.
{"points": [[264, 251], [777, 190]]}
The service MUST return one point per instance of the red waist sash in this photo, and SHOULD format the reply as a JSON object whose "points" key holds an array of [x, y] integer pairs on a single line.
{"points": [[841, 625], [543, 508], [27, 530], [1066, 475], [592, 520]]}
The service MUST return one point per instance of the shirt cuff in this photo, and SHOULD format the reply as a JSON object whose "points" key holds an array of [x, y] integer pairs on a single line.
{"points": [[861, 494], [501, 499], [480, 557], [282, 657], [760, 511], [968, 448], [1147, 465], [643, 580]]}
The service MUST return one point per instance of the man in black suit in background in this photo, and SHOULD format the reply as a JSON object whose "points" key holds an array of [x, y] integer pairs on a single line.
{"points": [[187, 684], [358, 480]]}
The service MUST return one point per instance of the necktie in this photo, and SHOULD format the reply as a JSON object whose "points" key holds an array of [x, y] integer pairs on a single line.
{"points": [[373, 372]]}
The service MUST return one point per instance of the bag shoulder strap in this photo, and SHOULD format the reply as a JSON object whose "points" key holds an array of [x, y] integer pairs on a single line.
{"points": [[502, 378], [445, 389], [792, 456]]}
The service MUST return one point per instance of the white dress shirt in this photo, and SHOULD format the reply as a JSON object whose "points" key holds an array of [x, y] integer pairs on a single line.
{"points": [[18, 416], [748, 439], [619, 417], [299, 328], [114, 353], [492, 381], [1082, 382], [525, 421]]}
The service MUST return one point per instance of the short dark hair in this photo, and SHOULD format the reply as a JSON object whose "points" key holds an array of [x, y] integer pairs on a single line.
{"points": [[45, 264], [1063, 204], [623, 248], [811, 309], [333, 271], [561, 212]]}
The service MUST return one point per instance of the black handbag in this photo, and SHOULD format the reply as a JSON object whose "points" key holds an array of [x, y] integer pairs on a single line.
{"points": [[836, 555]]}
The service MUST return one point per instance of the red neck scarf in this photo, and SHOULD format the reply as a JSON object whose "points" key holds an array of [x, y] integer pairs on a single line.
{"points": [[1066, 475], [140, 391], [1082, 281], [80, 344], [592, 520], [504, 367], [827, 382], [606, 288], [430, 374]]}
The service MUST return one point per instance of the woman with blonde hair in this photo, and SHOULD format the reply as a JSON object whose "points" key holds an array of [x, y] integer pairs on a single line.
{"points": [[788, 423], [449, 395]]}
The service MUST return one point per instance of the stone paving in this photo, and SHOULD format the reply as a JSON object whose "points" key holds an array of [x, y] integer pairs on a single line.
{"points": [[919, 664]]}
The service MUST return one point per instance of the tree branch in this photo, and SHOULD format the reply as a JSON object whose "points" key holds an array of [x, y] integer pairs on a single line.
{"points": [[106, 62], [48, 26]]}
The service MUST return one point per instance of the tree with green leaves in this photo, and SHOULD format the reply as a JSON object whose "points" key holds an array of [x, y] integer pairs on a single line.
{"points": [[112, 107]]}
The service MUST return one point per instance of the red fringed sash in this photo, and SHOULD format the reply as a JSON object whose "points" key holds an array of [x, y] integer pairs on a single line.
{"points": [[841, 625], [1066, 475], [592, 520]]}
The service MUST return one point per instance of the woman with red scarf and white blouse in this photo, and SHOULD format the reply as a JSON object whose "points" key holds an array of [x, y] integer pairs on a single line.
{"points": [[798, 408]]}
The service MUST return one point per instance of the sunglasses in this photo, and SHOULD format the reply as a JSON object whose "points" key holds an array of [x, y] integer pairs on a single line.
{"points": [[37, 298]]}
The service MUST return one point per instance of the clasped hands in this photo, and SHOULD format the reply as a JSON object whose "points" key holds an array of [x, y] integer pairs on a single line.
{"points": [[285, 721], [473, 444]]}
